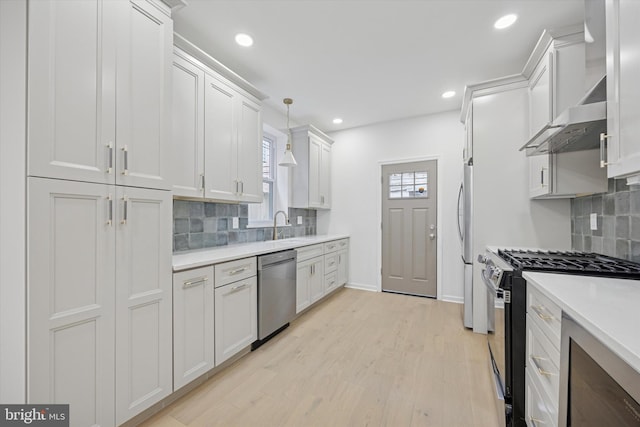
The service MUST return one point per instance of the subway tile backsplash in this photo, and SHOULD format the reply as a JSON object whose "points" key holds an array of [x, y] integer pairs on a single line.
{"points": [[618, 218], [198, 225]]}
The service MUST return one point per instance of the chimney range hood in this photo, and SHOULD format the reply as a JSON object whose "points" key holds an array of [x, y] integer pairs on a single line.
{"points": [[575, 129]]}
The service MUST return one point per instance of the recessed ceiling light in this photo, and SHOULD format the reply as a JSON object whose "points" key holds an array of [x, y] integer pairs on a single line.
{"points": [[505, 21], [337, 121], [244, 39], [449, 94]]}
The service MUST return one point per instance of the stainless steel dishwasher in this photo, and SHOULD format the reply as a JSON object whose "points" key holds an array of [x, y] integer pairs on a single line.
{"points": [[276, 293]]}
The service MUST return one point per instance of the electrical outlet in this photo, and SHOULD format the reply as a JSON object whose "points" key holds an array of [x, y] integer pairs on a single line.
{"points": [[594, 221], [235, 222], [299, 220]]}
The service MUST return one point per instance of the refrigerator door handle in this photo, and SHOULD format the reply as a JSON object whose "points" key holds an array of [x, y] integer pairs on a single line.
{"points": [[460, 231]]}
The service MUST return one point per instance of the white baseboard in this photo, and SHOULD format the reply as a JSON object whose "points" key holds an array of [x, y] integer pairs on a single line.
{"points": [[361, 287], [455, 299]]}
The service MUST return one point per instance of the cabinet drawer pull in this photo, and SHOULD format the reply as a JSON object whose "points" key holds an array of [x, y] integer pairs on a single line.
{"points": [[541, 371], [125, 150], [332, 263], [603, 150], [125, 199], [110, 200], [540, 312], [110, 155], [237, 271], [237, 288], [194, 282], [535, 421]]}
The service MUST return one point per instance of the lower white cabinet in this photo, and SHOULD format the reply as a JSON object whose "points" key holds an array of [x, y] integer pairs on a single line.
{"points": [[309, 282], [236, 317], [193, 325], [343, 267], [99, 298]]}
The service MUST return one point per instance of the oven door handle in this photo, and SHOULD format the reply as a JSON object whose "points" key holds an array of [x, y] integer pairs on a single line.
{"points": [[488, 284]]}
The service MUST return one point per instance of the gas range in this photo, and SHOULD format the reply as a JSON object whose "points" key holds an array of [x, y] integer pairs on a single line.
{"points": [[569, 262]]}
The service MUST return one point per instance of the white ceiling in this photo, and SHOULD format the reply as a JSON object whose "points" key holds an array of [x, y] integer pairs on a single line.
{"points": [[369, 61]]}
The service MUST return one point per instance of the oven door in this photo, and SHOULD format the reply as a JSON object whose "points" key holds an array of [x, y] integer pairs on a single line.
{"points": [[496, 346]]}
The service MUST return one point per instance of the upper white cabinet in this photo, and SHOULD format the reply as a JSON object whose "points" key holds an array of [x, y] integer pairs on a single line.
{"points": [[217, 135], [623, 89], [556, 83], [99, 91], [312, 177]]}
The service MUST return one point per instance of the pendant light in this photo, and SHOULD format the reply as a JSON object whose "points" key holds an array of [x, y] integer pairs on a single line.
{"points": [[288, 160]]}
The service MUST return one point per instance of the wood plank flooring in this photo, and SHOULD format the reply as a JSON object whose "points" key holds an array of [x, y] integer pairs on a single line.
{"points": [[358, 359]]}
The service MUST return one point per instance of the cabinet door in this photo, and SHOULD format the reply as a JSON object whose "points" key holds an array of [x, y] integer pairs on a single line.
{"points": [[143, 300], [144, 96], [71, 80], [249, 150], [623, 88], [316, 280], [193, 325], [325, 176], [343, 267], [71, 298], [187, 137], [303, 276], [315, 166], [236, 317], [540, 100], [539, 175], [220, 141]]}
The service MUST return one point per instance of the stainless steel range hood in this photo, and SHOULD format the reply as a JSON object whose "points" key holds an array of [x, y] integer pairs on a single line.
{"points": [[575, 129]]}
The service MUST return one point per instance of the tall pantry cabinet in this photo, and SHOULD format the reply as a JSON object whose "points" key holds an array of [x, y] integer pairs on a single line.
{"points": [[99, 215]]}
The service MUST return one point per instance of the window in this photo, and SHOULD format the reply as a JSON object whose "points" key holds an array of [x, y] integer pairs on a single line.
{"points": [[264, 211], [408, 185]]}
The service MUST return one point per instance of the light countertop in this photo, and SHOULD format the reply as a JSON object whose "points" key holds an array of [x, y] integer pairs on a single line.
{"points": [[201, 257], [607, 308]]}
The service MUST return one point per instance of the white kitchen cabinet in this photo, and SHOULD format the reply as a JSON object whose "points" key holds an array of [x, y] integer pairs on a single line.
{"points": [[143, 299], [71, 291], [556, 83], [187, 137], [99, 80], [623, 89], [343, 267], [193, 325], [217, 135], [236, 317], [309, 282], [99, 298], [312, 177]]}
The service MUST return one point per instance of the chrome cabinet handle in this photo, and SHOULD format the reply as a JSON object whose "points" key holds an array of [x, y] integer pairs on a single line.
{"points": [[603, 149], [110, 155], [125, 150], [194, 282], [110, 200], [241, 187], [125, 199], [201, 182], [540, 312], [237, 288], [332, 263], [237, 271], [541, 371]]}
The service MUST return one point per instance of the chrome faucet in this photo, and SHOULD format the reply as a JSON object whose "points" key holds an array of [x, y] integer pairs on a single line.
{"points": [[275, 227]]}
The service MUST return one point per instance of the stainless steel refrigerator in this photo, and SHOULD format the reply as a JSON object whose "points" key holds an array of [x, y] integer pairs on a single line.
{"points": [[465, 214]]}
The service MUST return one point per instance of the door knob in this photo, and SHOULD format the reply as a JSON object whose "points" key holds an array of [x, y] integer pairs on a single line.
{"points": [[432, 236]]}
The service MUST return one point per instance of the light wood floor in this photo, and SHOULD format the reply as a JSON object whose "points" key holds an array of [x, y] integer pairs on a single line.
{"points": [[358, 359]]}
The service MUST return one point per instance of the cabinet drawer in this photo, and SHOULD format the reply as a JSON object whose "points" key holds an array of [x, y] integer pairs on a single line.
{"points": [[545, 313], [331, 246], [330, 263], [538, 411], [543, 360], [308, 252], [330, 282], [232, 271]]}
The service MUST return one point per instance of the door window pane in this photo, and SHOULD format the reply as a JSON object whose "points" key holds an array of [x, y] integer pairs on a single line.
{"points": [[408, 185]]}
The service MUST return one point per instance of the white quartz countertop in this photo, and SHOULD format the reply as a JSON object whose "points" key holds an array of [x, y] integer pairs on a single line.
{"points": [[609, 309], [201, 257]]}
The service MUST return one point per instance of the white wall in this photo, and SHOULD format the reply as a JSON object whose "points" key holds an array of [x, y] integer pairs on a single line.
{"points": [[357, 155], [13, 21]]}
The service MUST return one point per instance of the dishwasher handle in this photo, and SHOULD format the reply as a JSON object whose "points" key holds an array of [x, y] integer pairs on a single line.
{"points": [[275, 264], [266, 261]]}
